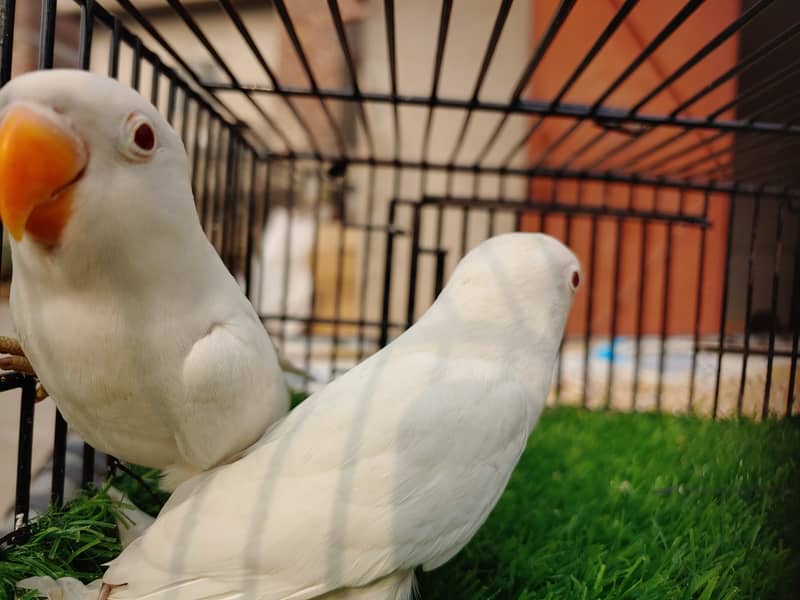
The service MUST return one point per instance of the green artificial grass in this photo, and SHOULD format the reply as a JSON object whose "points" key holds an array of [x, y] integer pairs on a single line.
{"points": [[142, 489], [639, 506], [602, 505], [73, 541]]}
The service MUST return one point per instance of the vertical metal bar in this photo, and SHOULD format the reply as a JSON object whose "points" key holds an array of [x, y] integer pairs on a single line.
{"points": [[441, 40], [665, 304], [464, 214], [314, 264], [198, 117], [86, 32], [387, 268], [24, 453], [795, 321], [567, 242], [637, 351], [87, 469], [257, 225], [136, 67], [230, 197], [111, 466], [749, 302], [47, 34], [113, 51], [337, 301], [59, 460], [362, 297], [287, 249], [46, 47], [619, 243], [438, 285], [439, 210], [590, 302], [206, 170], [214, 172], [185, 120], [6, 40], [773, 308], [388, 11], [239, 209], [724, 311], [217, 195], [413, 266], [171, 100], [263, 218], [155, 80], [251, 230], [6, 54], [698, 304]]}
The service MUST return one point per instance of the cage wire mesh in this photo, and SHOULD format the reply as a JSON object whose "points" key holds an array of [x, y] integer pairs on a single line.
{"points": [[346, 154]]}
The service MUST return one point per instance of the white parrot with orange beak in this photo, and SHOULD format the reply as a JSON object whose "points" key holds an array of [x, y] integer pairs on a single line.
{"points": [[122, 306]]}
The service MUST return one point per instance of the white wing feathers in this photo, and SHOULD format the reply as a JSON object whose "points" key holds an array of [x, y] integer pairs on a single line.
{"points": [[232, 386], [354, 485]]}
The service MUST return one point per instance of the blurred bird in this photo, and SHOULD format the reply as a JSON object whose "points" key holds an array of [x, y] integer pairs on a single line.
{"points": [[286, 249], [394, 465], [123, 308]]}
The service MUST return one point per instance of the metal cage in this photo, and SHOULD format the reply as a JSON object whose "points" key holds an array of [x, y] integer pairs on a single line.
{"points": [[658, 139]]}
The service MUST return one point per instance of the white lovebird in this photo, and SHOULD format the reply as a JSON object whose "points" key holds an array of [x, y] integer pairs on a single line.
{"points": [[394, 465], [122, 306]]}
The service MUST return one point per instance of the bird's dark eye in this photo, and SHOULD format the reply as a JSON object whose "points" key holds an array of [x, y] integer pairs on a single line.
{"points": [[137, 140], [145, 137], [576, 280]]}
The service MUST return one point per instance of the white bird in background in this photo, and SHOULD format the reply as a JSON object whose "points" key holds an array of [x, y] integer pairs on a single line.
{"points": [[394, 465], [122, 306], [295, 232]]}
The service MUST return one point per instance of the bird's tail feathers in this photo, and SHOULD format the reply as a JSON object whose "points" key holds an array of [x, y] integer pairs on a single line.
{"points": [[401, 585]]}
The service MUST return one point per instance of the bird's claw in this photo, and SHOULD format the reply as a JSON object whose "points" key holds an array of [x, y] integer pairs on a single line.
{"points": [[106, 590], [17, 361], [20, 364]]}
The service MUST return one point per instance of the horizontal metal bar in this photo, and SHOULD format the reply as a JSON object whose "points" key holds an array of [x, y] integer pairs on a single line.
{"points": [[327, 321], [772, 191], [739, 349], [539, 206], [604, 116], [12, 381], [389, 228]]}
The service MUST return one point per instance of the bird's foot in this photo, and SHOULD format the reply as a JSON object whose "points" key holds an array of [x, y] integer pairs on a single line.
{"points": [[17, 361], [106, 590]]}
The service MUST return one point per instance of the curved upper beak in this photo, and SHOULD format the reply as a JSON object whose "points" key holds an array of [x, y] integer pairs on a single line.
{"points": [[40, 157]]}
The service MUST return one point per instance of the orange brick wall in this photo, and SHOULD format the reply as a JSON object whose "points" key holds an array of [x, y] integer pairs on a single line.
{"points": [[580, 31]]}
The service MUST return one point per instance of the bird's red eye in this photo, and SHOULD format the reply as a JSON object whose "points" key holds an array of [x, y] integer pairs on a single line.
{"points": [[144, 137], [576, 279]]}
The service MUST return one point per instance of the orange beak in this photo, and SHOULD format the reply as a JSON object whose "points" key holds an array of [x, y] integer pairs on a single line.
{"points": [[40, 159]]}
